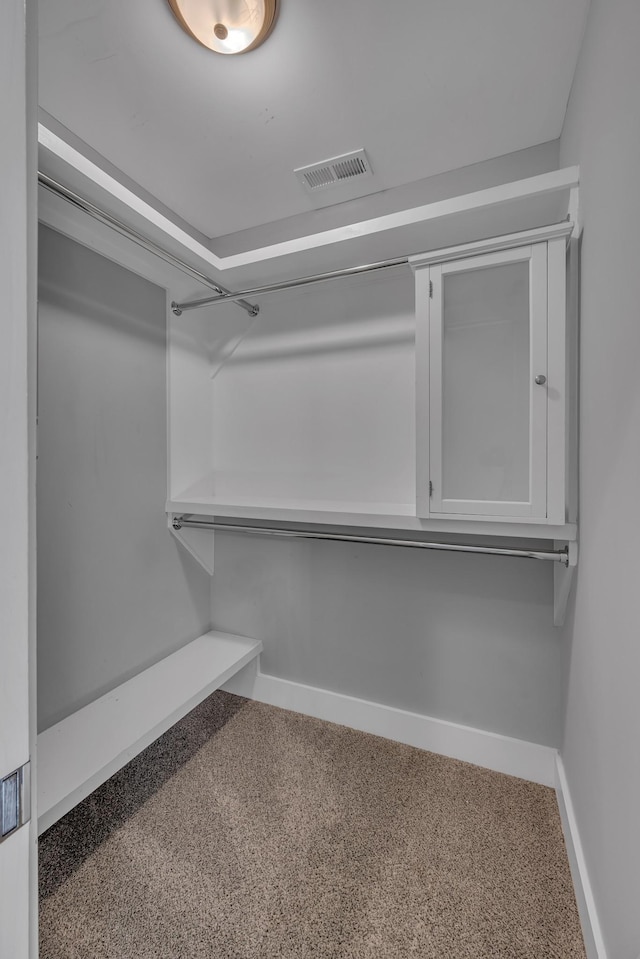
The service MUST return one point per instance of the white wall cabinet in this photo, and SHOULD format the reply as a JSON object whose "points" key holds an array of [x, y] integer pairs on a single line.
{"points": [[317, 416], [311, 412], [491, 381]]}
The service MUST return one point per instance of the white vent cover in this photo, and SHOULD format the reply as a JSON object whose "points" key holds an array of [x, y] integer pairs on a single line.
{"points": [[342, 169]]}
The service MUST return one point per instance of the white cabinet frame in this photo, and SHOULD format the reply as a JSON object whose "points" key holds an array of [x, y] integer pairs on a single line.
{"points": [[547, 402], [535, 506]]}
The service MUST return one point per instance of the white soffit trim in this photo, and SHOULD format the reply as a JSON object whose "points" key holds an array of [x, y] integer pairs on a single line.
{"points": [[78, 162], [544, 183]]}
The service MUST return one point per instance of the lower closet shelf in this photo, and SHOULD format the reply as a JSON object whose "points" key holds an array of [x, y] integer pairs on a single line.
{"points": [[82, 751]]}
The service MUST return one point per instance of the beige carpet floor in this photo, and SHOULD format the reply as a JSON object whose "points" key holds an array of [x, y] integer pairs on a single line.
{"points": [[248, 831]]}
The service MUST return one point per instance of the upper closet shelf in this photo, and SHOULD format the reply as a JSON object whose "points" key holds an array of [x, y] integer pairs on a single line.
{"points": [[364, 514]]}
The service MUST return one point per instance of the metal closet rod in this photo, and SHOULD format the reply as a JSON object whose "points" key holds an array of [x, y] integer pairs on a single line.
{"points": [[119, 227], [179, 308], [554, 555], [223, 295]]}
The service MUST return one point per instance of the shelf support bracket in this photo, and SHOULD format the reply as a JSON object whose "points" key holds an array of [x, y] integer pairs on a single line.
{"points": [[198, 542], [562, 581]]}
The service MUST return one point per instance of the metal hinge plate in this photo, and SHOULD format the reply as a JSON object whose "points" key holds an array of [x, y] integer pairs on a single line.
{"points": [[430, 488], [431, 289], [15, 801]]}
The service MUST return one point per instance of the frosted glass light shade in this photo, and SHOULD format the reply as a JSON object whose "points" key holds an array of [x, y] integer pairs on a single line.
{"points": [[226, 26]]}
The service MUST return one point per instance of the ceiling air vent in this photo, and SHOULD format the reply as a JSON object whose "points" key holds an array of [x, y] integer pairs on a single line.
{"points": [[342, 169]]}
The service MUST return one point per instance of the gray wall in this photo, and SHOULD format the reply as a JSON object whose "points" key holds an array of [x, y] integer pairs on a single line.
{"points": [[464, 638], [115, 590], [601, 749]]}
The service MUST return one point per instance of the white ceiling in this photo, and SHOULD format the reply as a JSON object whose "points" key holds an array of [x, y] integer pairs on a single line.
{"points": [[425, 86]]}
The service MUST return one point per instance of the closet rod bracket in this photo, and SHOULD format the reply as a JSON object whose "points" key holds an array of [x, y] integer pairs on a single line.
{"points": [[253, 310]]}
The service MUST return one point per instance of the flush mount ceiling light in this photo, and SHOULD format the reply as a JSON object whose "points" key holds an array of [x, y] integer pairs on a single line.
{"points": [[226, 26]]}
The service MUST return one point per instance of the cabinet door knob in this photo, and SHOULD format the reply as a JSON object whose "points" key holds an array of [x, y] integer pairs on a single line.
{"points": [[540, 379]]}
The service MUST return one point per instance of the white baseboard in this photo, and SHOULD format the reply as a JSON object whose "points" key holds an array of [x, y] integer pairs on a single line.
{"points": [[515, 757], [591, 932]]}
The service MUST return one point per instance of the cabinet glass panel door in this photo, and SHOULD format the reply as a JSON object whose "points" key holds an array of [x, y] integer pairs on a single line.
{"points": [[488, 415]]}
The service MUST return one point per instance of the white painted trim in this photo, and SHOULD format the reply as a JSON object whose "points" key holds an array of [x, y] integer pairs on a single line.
{"points": [[70, 221], [81, 164], [503, 754], [493, 244], [422, 388], [435, 404], [544, 183], [18, 247], [591, 931], [574, 213], [493, 196], [556, 380], [398, 516]]}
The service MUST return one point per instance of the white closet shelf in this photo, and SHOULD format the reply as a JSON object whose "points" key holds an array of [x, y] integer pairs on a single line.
{"points": [[392, 516], [336, 496], [82, 751], [337, 499], [343, 511]]}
